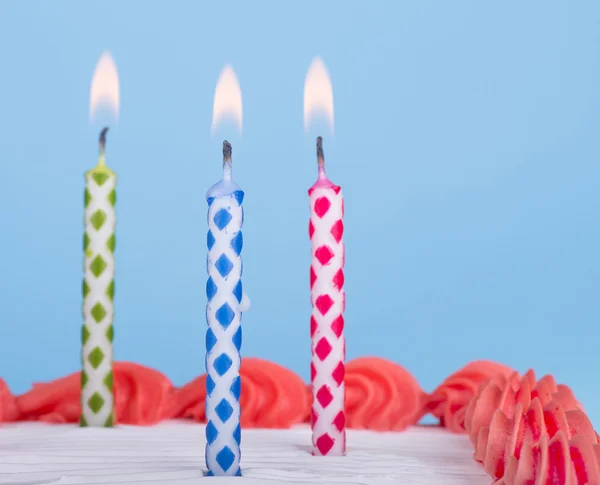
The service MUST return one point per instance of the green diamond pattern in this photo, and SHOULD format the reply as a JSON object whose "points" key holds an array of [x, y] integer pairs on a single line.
{"points": [[100, 177], [96, 402], [98, 312], [96, 357], [109, 421], [110, 243], [98, 266], [98, 219], [108, 381], [110, 290], [85, 334]]}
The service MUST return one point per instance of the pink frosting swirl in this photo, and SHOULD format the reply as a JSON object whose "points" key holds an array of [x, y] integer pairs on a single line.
{"points": [[9, 410], [524, 431], [141, 397], [521, 429], [381, 395], [449, 401], [554, 461], [272, 396]]}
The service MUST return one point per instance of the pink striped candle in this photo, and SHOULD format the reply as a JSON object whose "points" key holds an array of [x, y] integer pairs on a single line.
{"points": [[327, 322]]}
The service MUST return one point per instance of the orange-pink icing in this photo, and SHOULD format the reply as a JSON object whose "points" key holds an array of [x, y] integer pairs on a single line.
{"points": [[141, 397], [532, 431], [448, 402], [523, 430], [381, 395], [272, 396], [9, 410]]}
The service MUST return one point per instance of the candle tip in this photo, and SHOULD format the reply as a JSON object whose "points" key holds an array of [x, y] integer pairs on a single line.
{"points": [[226, 152], [320, 155], [103, 139]]}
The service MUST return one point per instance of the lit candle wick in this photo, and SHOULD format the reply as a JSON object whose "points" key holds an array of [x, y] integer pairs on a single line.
{"points": [[321, 158], [226, 160], [102, 143]]}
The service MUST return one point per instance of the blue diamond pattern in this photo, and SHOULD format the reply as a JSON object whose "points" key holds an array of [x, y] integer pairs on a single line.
{"points": [[210, 240], [237, 338], [222, 363], [225, 315], [236, 387], [222, 218], [209, 473], [237, 435], [225, 458], [210, 200], [224, 410], [237, 291], [210, 385], [239, 196], [237, 242], [224, 265], [211, 339], [211, 432], [211, 288]]}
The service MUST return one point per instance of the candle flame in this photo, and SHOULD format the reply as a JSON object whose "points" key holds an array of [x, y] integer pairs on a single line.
{"points": [[104, 92], [227, 102], [318, 94]]}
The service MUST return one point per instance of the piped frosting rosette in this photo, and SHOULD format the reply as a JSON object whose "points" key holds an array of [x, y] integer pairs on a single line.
{"points": [[9, 410], [523, 431], [381, 395], [449, 401], [141, 397], [272, 396]]}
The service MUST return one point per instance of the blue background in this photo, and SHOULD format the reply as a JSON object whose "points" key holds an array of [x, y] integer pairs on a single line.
{"points": [[466, 142]]}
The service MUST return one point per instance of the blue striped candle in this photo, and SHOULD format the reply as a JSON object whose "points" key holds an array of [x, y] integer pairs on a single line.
{"points": [[226, 301]]}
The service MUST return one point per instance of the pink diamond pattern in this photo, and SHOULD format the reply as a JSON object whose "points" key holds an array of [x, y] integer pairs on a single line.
{"points": [[327, 370], [323, 349]]}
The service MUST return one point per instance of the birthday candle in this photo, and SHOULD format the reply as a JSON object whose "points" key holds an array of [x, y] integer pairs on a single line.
{"points": [[97, 402], [226, 301], [327, 322]]}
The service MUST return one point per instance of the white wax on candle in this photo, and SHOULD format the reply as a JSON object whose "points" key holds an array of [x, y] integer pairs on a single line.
{"points": [[327, 322], [226, 301], [97, 401]]}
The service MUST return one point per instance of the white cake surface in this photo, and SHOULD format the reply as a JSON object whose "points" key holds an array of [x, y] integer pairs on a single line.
{"points": [[173, 453]]}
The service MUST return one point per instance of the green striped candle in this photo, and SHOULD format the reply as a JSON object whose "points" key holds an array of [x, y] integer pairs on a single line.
{"points": [[97, 398]]}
